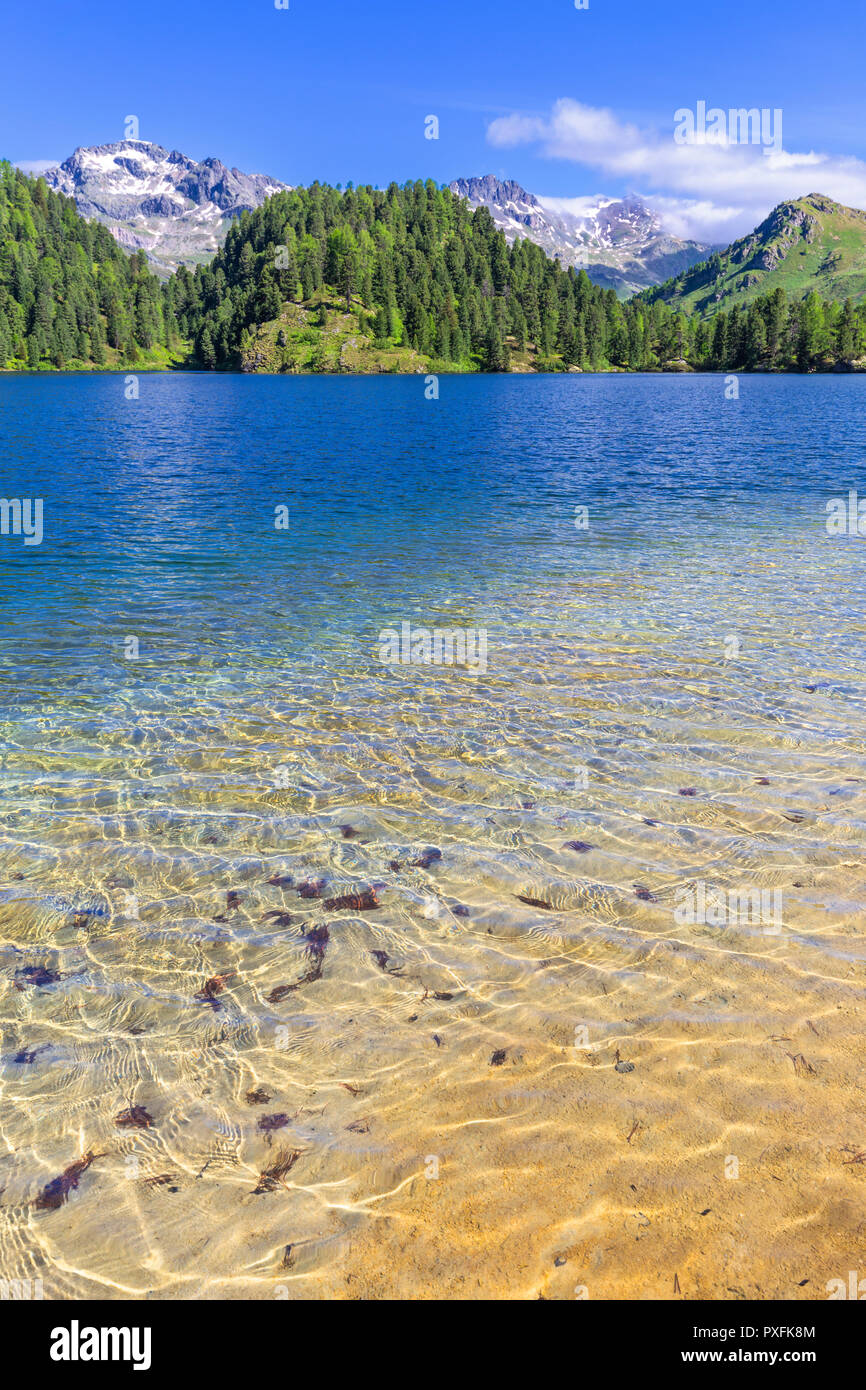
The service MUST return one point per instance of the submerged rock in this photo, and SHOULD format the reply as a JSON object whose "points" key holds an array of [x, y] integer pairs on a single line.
{"points": [[37, 975], [136, 1117]]}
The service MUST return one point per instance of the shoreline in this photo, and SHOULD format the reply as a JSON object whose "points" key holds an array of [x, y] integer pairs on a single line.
{"points": [[133, 370]]}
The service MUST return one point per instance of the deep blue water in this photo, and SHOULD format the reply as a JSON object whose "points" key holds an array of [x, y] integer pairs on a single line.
{"points": [[160, 512]]}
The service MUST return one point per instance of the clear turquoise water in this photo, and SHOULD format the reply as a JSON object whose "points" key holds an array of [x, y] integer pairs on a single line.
{"points": [[258, 719]]}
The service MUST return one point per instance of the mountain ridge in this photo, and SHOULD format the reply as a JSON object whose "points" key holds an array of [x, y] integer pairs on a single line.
{"points": [[620, 242], [804, 244]]}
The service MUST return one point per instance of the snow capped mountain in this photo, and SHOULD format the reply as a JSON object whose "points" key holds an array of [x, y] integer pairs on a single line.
{"points": [[621, 243], [174, 208], [178, 211]]}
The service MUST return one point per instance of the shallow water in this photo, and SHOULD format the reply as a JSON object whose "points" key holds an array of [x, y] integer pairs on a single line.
{"points": [[705, 634]]}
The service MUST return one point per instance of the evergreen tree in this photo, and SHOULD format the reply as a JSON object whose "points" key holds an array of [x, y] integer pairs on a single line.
{"points": [[496, 353], [206, 351]]}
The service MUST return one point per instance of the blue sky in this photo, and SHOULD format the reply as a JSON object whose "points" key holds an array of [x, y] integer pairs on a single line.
{"points": [[339, 89]]}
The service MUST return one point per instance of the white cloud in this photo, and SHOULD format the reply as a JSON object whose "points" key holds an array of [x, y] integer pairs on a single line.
{"points": [[36, 166], [711, 190], [703, 220], [578, 207]]}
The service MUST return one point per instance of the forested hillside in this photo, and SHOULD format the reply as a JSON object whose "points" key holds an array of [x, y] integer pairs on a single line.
{"points": [[69, 296], [410, 269]]}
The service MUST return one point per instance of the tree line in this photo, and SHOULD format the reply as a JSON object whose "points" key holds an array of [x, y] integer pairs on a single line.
{"points": [[69, 295], [416, 265], [772, 332]]}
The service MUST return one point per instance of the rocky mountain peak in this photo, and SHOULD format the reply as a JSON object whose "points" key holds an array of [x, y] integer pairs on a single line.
{"points": [[620, 242], [490, 189], [175, 208]]}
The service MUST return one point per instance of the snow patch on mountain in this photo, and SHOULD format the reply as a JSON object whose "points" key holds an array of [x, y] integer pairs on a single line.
{"points": [[620, 242], [176, 209]]}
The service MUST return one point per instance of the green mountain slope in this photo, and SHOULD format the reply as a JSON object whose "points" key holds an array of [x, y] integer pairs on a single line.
{"points": [[70, 298], [805, 245]]}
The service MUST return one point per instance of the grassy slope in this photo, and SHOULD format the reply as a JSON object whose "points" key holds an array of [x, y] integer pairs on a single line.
{"points": [[344, 344], [156, 359], [809, 244]]}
